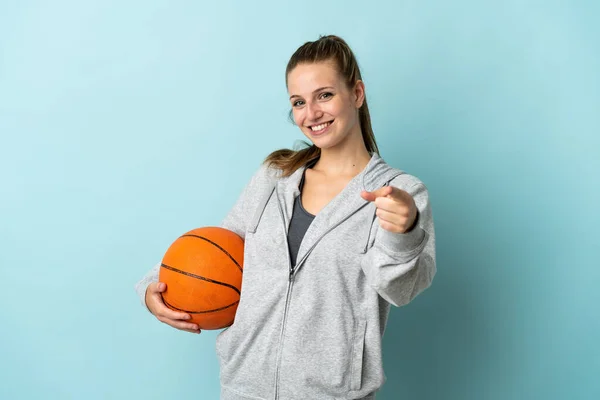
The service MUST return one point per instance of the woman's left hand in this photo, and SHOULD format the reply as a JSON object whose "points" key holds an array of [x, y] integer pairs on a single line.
{"points": [[396, 208]]}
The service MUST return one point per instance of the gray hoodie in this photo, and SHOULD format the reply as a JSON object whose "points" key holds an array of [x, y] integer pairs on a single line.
{"points": [[314, 330]]}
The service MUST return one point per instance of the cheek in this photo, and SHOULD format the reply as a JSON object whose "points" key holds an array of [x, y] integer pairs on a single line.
{"points": [[350, 113], [298, 117], [340, 109]]}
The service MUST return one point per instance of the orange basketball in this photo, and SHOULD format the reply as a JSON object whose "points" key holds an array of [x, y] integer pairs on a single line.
{"points": [[203, 272]]}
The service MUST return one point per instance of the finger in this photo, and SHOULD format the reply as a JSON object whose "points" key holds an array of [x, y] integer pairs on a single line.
{"points": [[392, 218], [381, 192], [391, 205], [157, 287], [368, 196], [166, 312], [388, 226], [399, 194], [185, 326], [163, 311]]}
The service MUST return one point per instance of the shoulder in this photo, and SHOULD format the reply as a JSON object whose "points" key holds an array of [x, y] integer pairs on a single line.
{"points": [[406, 181], [379, 173], [400, 178], [265, 176], [268, 172]]}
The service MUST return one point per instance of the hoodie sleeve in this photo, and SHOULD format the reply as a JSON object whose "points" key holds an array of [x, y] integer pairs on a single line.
{"points": [[235, 221], [399, 266], [142, 285]]}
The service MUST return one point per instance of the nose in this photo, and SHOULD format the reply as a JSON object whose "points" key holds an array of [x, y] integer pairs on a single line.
{"points": [[314, 112]]}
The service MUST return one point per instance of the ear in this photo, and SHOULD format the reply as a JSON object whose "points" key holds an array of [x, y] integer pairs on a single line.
{"points": [[359, 93]]}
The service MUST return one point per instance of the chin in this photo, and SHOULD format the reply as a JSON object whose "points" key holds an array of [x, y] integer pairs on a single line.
{"points": [[325, 142]]}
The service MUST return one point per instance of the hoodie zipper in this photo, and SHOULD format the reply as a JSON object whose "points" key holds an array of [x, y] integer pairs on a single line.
{"points": [[287, 299], [290, 286]]}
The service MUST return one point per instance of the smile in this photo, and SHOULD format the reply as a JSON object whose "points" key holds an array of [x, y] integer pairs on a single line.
{"points": [[321, 127]]}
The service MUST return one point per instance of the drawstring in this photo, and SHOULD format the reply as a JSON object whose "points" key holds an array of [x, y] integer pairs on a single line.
{"points": [[262, 204]]}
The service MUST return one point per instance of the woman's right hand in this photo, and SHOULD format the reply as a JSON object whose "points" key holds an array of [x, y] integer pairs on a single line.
{"points": [[156, 305]]}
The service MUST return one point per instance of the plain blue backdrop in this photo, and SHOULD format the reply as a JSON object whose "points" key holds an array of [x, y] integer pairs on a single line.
{"points": [[126, 123]]}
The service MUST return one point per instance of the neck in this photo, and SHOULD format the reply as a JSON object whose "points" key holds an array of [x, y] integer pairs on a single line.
{"points": [[348, 158]]}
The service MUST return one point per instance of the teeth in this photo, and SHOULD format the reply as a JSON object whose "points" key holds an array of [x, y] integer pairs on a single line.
{"points": [[319, 127]]}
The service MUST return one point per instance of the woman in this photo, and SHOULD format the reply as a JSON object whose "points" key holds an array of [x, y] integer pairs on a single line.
{"points": [[333, 237]]}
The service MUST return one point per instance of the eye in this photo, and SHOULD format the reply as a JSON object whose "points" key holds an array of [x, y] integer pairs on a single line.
{"points": [[298, 103], [325, 95]]}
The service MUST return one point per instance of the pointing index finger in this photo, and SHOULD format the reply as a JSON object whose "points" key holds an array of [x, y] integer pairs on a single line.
{"points": [[381, 192]]}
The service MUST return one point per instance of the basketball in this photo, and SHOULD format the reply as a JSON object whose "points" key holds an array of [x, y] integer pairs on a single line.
{"points": [[203, 273]]}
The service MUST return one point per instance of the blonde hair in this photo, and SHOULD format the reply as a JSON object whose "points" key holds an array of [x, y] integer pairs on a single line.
{"points": [[326, 48]]}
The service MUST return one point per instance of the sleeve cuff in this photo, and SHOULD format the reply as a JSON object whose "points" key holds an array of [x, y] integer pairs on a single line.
{"points": [[403, 242]]}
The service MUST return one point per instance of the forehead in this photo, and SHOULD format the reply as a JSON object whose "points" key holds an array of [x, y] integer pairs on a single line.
{"points": [[306, 78]]}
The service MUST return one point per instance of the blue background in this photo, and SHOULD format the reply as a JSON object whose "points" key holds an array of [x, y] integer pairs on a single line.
{"points": [[126, 123]]}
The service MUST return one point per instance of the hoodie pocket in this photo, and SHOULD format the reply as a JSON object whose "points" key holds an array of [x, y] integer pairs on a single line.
{"points": [[357, 355]]}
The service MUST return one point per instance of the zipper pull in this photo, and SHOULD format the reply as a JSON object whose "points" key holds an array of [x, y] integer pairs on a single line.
{"points": [[291, 273]]}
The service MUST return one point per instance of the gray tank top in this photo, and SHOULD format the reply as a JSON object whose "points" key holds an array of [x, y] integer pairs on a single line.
{"points": [[301, 220]]}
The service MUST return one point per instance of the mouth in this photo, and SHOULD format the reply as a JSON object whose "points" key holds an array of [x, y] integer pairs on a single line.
{"points": [[320, 128]]}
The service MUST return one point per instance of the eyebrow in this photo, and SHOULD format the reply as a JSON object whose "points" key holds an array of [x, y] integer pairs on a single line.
{"points": [[314, 91]]}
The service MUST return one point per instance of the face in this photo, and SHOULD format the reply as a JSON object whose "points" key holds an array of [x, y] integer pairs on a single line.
{"points": [[323, 106]]}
